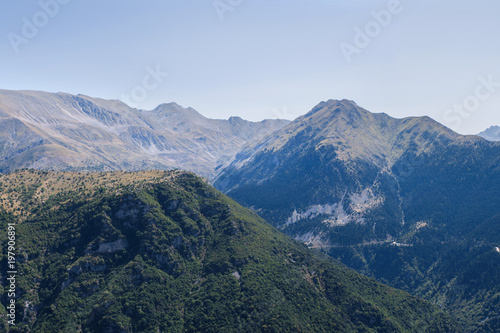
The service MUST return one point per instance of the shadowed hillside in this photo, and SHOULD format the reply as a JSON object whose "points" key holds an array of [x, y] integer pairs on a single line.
{"points": [[407, 201]]}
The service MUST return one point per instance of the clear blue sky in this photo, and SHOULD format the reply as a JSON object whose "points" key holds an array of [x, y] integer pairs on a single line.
{"points": [[263, 59]]}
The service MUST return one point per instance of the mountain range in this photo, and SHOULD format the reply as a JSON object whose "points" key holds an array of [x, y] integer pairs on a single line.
{"points": [[66, 132], [406, 201]]}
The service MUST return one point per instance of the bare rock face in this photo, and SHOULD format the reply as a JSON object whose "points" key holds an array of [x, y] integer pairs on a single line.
{"points": [[65, 132], [110, 247]]}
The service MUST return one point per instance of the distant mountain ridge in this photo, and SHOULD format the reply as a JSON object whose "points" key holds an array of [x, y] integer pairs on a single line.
{"points": [[66, 132], [407, 201], [491, 134], [355, 133]]}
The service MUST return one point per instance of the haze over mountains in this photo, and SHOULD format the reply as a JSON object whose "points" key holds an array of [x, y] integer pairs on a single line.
{"points": [[65, 132], [491, 134]]}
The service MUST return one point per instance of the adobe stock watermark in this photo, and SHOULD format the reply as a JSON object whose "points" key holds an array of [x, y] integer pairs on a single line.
{"points": [[283, 113], [11, 274], [152, 80], [372, 29], [224, 6], [455, 115], [31, 26]]}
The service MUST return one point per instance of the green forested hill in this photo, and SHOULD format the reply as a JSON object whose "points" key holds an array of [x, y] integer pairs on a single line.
{"points": [[165, 252]]}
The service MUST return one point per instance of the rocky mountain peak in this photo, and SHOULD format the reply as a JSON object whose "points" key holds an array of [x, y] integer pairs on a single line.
{"points": [[335, 107], [174, 109], [491, 134], [391, 197], [63, 131]]}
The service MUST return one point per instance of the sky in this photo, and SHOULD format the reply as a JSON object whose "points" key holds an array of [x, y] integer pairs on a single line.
{"points": [[262, 59]]}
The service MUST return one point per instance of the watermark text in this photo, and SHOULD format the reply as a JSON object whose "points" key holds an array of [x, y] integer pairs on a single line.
{"points": [[486, 88], [31, 26], [225, 6], [371, 30], [11, 274], [153, 78]]}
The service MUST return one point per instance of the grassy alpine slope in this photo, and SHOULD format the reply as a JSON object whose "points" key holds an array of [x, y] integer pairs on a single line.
{"points": [[165, 252]]}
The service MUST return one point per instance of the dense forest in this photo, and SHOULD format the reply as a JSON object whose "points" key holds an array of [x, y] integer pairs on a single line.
{"points": [[164, 251]]}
